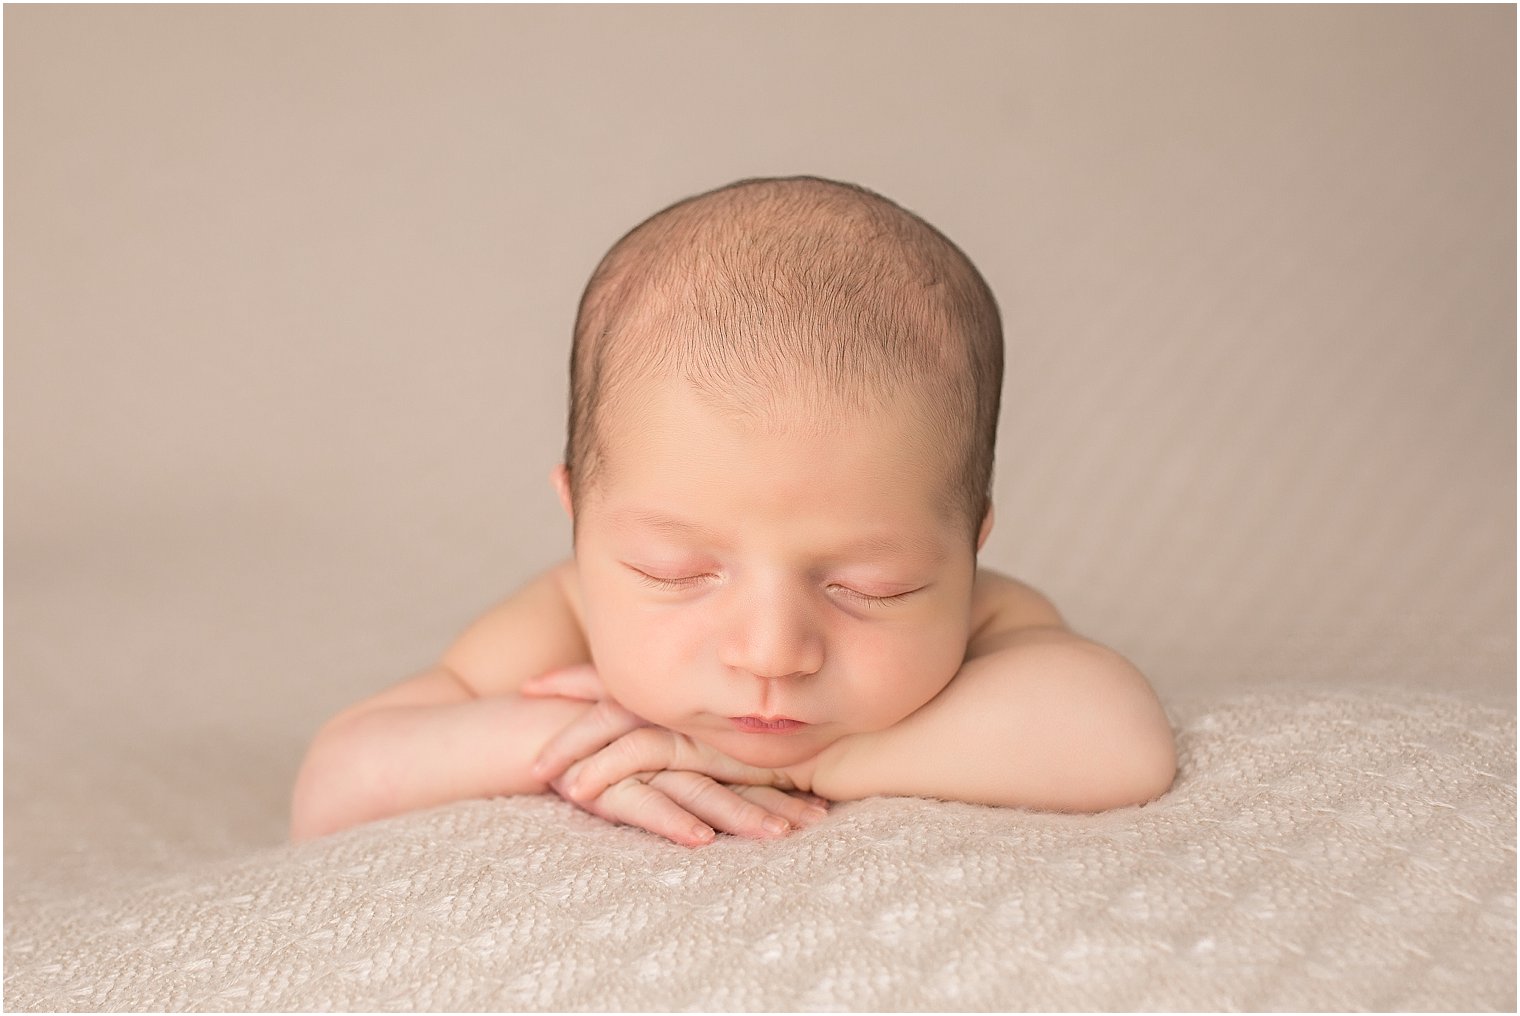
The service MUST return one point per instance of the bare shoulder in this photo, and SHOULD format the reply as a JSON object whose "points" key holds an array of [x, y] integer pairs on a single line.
{"points": [[1001, 603], [534, 630]]}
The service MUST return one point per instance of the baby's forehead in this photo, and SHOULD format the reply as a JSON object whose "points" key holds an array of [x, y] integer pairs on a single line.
{"points": [[924, 541], [669, 432], [800, 405]]}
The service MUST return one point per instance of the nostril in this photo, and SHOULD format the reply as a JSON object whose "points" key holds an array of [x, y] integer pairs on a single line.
{"points": [[786, 677]]}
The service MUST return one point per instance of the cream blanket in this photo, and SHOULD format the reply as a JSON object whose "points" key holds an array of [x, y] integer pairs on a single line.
{"points": [[1320, 850]]}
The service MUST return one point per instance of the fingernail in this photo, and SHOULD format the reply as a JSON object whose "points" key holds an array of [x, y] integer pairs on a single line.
{"points": [[701, 833], [775, 825], [817, 814]]}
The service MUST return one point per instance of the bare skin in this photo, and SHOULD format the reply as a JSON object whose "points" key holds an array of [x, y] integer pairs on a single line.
{"points": [[734, 569]]}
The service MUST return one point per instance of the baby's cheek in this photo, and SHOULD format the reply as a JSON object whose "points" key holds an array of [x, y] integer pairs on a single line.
{"points": [[642, 668], [903, 674], [623, 677]]}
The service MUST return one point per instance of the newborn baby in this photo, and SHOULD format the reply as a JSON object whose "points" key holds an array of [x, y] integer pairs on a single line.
{"points": [[783, 407]]}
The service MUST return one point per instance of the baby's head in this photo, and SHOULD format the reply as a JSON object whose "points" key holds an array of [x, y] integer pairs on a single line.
{"points": [[784, 394], [771, 296]]}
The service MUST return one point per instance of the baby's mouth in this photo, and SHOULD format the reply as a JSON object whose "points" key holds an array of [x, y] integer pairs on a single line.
{"points": [[766, 724]]}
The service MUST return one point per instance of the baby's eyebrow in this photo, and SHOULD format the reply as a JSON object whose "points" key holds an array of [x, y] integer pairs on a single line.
{"points": [[922, 547], [883, 543], [661, 521]]}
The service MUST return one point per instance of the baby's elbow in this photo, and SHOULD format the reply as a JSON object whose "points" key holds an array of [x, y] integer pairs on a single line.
{"points": [[1134, 745], [1145, 758], [1140, 777], [1155, 764], [327, 795], [308, 813], [311, 804]]}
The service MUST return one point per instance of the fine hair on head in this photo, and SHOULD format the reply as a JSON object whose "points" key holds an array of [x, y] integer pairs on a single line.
{"points": [[790, 301]]}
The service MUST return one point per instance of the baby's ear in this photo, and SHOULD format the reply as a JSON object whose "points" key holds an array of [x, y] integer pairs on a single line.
{"points": [[981, 537], [559, 476]]}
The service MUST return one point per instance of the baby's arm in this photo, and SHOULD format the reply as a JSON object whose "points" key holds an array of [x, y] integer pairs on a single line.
{"points": [[455, 731], [462, 729], [1037, 717]]}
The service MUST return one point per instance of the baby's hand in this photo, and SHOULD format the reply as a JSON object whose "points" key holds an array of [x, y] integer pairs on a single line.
{"points": [[578, 681], [618, 766]]}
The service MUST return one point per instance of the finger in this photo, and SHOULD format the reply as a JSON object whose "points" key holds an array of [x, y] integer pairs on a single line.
{"points": [[654, 749], [798, 809], [720, 806], [579, 681], [599, 726], [636, 803], [641, 750]]}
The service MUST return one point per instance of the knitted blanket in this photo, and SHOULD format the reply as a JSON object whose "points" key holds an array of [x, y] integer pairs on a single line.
{"points": [[1344, 849]]}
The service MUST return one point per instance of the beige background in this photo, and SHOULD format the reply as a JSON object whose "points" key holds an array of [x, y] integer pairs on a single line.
{"points": [[289, 293]]}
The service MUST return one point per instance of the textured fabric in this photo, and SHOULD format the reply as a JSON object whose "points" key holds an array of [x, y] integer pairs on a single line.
{"points": [[1319, 851]]}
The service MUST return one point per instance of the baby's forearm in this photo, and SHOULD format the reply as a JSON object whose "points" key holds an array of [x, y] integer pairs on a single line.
{"points": [[394, 759], [1047, 721]]}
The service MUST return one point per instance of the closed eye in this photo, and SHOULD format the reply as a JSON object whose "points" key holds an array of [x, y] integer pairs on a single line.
{"points": [[874, 601], [682, 582], [687, 581]]}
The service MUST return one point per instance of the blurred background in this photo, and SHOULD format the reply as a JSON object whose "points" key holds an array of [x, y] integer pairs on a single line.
{"points": [[289, 292]]}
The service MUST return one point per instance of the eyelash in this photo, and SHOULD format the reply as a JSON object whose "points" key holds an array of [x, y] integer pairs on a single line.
{"points": [[671, 585], [667, 584], [873, 601]]}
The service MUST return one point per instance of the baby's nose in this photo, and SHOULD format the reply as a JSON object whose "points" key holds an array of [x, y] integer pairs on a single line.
{"points": [[773, 641]]}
